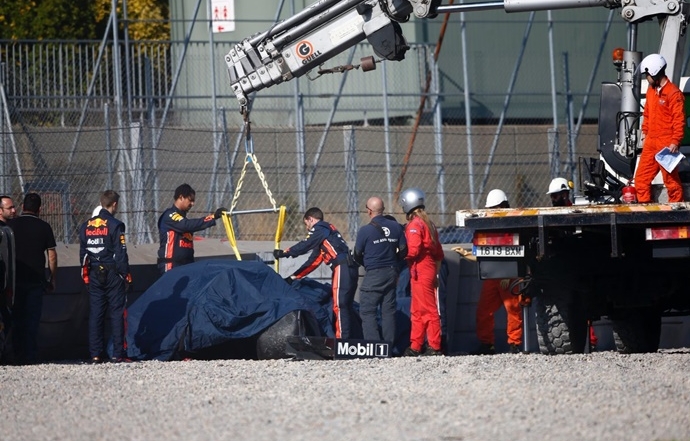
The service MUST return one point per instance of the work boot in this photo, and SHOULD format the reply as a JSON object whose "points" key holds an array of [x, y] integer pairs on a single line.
{"points": [[514, 349], [485, 349], [409, 352], [432, 351]]}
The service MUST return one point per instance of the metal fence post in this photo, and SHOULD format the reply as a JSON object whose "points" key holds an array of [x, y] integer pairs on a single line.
{"points": [[438, 141], [4, 181], [351, 181]]}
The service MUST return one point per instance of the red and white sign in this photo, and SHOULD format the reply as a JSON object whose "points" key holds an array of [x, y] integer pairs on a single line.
{"points": [[223, 15]]}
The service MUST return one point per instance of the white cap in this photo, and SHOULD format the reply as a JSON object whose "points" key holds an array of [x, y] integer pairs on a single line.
{"points": [[558, 185], [495, 198]]}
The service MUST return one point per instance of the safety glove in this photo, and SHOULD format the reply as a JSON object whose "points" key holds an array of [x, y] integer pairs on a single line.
{"points": [[219, 212]]}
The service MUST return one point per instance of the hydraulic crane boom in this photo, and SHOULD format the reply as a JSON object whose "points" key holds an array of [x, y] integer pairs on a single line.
{"points": [[293, 47], [326, 28]]}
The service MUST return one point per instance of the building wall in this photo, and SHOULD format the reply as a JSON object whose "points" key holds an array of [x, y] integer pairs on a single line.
{"points": [[502, 52]]}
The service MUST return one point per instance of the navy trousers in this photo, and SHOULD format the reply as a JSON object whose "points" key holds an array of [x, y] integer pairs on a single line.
{"points": [[107, 296]]}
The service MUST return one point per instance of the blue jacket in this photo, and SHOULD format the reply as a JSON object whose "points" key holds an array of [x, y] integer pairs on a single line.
{"points": [[326, 245], [177, 234], [381, 243], [102, 239]]}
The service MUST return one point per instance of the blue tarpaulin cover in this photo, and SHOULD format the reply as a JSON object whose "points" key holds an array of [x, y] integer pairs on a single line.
{"points": [[210, 302]]}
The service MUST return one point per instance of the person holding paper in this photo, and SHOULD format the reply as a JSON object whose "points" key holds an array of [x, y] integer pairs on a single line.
{"points": [[662, 126]]}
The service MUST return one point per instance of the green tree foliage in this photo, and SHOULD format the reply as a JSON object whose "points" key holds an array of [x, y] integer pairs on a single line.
{"points": [[46, 19], [81, 19], [148, 19]]}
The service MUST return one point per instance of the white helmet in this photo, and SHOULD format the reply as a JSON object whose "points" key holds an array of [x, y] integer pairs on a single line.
{"points": [[652, 64], [558, 185], [495, 198], [411, 199]]}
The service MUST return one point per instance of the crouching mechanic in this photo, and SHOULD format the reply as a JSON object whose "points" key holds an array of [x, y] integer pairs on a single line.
{"points": [[105, 270], [327, 246]]}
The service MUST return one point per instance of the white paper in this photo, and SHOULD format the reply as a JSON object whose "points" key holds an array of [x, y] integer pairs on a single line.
{"points": [[669, 161]]}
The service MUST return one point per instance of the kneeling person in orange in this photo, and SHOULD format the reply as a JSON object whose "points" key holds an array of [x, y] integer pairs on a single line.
{"points": [[663, 125], [494, 293]]}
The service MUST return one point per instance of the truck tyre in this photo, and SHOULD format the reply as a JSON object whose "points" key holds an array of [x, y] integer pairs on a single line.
{"points": [[637, 331], [558, 330]]}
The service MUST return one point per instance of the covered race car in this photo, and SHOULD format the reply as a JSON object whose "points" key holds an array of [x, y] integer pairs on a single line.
{"points": [[224, 309]]}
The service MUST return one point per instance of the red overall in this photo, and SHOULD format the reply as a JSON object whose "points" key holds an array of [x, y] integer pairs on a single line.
{"points": [[423, 254], [663, 124], [491, 298]]}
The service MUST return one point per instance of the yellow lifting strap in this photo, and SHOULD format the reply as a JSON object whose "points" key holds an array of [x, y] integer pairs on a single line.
{"points": [[230, 232], [279, 234], [250, 157]]}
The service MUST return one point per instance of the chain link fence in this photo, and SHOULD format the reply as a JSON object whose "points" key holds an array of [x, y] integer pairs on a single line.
{"points": [[72, 126], [352, 167]]}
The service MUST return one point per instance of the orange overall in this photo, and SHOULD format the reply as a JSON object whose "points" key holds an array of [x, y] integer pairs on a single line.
{"points": [[423, 253], [492, 296], [663, 124]]}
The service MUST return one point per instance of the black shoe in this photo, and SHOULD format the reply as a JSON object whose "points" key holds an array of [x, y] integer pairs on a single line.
{"points": [[409, 352], [432, 351], [96, 360], [120, 360], [485, 349], [514, 349]]}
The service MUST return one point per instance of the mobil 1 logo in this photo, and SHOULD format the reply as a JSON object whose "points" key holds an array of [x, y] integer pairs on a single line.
{"points": [[348, 349]]}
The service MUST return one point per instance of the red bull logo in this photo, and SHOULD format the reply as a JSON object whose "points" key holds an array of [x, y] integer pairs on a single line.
{"points": [[97, 223], [97, 231], [188, 236]]}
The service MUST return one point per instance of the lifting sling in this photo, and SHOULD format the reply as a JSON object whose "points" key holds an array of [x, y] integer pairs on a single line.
{"points": [[250, 157]]}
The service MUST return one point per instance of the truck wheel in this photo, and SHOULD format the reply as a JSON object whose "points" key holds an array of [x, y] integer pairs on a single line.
{"points": [[637, 331], [558, 327]]}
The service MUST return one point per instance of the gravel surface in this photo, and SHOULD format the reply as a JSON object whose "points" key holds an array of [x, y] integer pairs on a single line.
{"points": [[600, 396]]}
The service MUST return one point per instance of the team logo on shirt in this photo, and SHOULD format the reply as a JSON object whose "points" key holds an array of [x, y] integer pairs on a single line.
{"points": [[96, 231], [97, 223]]}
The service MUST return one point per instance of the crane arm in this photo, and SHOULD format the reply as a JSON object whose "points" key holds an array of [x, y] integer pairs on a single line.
{"points": [[294, 46]]}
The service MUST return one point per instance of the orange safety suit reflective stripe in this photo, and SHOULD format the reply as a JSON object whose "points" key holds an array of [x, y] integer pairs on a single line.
{"points": [[491, 298], [663, 124]]}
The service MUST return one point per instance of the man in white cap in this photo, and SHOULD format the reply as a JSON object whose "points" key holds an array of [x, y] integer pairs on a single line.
{"points": [[494, 293]]}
